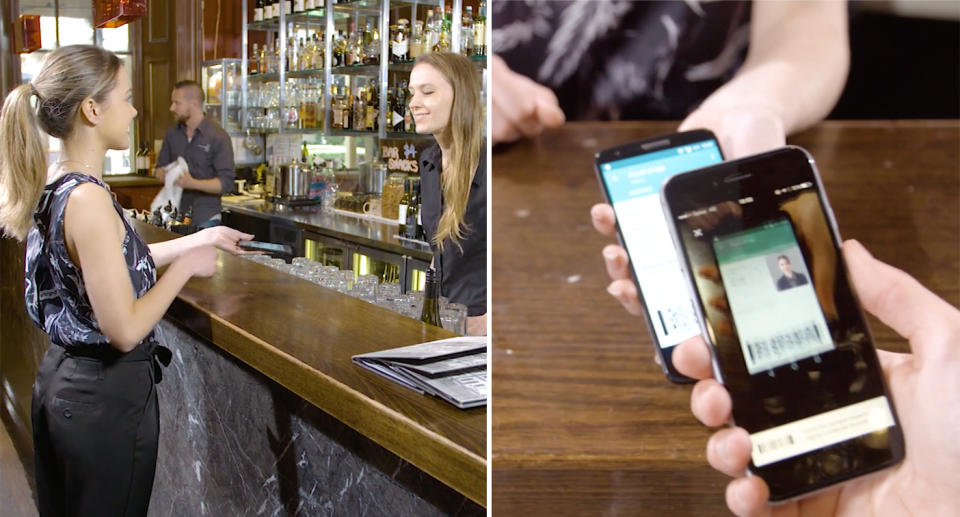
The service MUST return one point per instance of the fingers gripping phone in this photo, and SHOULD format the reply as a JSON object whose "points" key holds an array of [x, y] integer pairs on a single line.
{"points": [[762, 259], [630, 176]]}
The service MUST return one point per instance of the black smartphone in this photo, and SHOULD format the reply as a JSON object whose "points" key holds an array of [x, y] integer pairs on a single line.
{"points": [[761, 254], [282, 249], [630, 176]]}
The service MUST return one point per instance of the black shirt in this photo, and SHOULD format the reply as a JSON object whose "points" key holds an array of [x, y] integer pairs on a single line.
{"points": [[208, 155], [624, 60], [463, 272]]}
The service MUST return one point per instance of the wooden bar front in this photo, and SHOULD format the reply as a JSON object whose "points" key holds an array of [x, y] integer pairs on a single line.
{"points": [[583, 421]]}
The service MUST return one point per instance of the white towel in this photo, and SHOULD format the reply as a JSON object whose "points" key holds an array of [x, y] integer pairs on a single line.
{"points": [[171, 192]]}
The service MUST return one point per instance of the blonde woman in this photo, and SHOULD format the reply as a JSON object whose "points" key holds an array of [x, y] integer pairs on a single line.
{"points": [[91, 285], [446, 103]]}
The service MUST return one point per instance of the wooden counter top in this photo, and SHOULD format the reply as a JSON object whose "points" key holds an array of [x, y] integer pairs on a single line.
{"points": [[376, 235], [302, 336], [583, 421], [130, 180]]}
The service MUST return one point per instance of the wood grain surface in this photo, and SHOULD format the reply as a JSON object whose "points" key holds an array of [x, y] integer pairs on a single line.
{"points": [[303, 336], [583, 421]]}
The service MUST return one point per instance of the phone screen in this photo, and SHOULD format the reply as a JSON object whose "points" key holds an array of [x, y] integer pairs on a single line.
{"points": [[633, 188], [790, 341], [772, 302]]}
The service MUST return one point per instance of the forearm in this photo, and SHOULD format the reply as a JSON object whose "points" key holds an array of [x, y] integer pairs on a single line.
{"points": [[144, 313], [210, 186], [797, 64], [167, 251]]}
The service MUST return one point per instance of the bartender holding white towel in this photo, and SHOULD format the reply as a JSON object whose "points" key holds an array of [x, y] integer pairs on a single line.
{"points": [[207, 151]]}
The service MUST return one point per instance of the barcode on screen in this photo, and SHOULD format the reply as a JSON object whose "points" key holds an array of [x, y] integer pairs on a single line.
{"points": [[785, 344], [776, 443], [677, 319]]}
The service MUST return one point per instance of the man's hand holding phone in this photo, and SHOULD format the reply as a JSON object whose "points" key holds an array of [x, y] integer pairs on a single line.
{"points": [[925, 385]]}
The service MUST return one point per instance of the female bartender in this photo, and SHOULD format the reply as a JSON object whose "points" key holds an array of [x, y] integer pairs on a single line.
{"points": [[446, 103]]}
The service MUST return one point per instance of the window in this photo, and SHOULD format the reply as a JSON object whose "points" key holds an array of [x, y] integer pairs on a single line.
{"points": [[70, 22]]}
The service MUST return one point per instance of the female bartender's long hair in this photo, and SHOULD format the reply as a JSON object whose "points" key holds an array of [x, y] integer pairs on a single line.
{"points": [[68, 76], [466, 127]]}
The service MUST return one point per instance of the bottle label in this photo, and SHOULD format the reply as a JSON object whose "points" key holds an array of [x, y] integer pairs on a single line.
{"points": [[298, 5], [402, 214], [288, 7], [258, 14], [400, 48], [310, 4]]}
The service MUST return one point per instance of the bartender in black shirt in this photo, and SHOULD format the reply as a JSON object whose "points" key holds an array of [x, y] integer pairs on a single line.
{"points": [[445, 102], [206, 148]]}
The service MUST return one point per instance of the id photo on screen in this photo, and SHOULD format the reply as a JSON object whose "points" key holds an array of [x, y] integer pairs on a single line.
{"points": [[788, 270]]}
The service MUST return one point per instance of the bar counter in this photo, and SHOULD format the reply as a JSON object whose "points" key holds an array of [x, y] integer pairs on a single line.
{"points": [[584, 422], [262, 409]]}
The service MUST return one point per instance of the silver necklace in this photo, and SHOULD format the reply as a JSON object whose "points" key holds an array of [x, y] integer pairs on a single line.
{"points": [[59, 162]]}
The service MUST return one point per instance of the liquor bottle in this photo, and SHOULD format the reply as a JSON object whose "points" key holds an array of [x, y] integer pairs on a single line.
{"points": [[292, 57], [288, 7], [360, 110], [443, 43], [431, 34], [351, 49], [402, 210], [141, 167], [337, 50], [304, 153], [336, 119], [420, 235], [347, 104], [274, 8], [410, 229], [258, 11], [373, 48], [262, 63], [373, 97], [254, 61], [275, 62], [466, 32], [430, 314], [396, 108], [480, 31], [399, 44], [417, 41]]}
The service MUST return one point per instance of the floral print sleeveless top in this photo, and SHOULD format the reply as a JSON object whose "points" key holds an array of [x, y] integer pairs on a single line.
{"points": [[55, 294]]}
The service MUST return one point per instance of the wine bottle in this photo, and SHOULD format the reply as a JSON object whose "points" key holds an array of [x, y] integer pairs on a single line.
{"points": [[431, 299], [413, 211], [402, 210]]}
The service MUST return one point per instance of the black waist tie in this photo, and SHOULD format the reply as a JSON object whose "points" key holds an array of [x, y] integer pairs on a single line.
{"points": [[157, 354], [161, 359]]}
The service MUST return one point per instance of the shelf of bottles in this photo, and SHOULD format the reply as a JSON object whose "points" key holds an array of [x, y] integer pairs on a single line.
{"points": [[327, 55]]}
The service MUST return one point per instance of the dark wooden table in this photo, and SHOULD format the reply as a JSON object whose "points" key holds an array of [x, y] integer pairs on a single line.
{"points": [[583, 421]]}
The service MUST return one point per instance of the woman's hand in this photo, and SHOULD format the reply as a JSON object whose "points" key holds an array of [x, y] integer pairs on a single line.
{"points": [[741, 130], [924, 384], [226, 239], [521, 107]]}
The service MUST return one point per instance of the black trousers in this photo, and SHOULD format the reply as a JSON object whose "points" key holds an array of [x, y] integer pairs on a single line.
{"points": [[95, 430]]}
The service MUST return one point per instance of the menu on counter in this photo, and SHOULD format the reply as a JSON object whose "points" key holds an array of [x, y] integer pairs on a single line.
{"points": [[453, 369]]}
